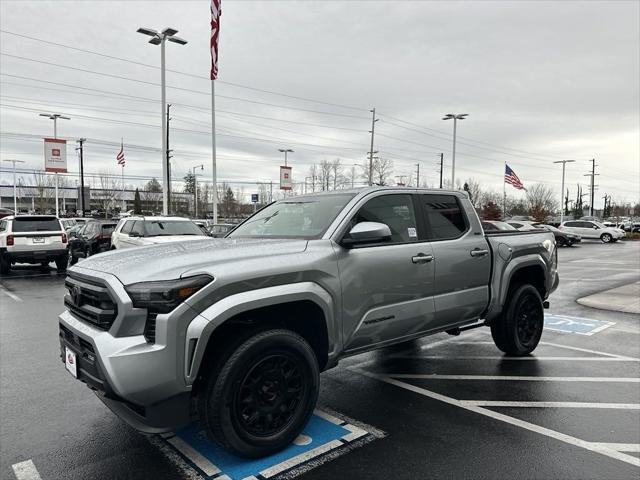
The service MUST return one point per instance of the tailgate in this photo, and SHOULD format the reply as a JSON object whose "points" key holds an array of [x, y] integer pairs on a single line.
{"points": [[37, 241]]}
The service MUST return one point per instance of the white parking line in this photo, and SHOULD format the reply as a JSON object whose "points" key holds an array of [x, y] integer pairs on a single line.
{"points": [[506, 403], [527, 378], [192, 454], [507, 419], [522, 359], [619, 447], [26, 471], [9, 294]]}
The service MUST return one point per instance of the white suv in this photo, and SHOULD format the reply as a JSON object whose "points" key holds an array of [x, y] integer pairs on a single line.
{"points": [[593, 230], [32, 239], [139, 231]]}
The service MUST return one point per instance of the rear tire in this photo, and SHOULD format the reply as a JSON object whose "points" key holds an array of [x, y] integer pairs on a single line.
{"points": [[518, 330], [606, 238], [61, 263], [257, 399], [562, 242]]}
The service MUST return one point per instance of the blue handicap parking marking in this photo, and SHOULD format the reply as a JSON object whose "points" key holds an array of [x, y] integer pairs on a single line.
{"points": [[581, 326], [324, 433]]}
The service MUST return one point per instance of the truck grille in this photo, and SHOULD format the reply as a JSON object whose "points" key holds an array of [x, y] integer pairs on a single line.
{"points": [[90, 301]]}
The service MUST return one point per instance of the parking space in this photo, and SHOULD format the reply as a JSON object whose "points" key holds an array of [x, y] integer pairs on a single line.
{"points": [[441, 407]]}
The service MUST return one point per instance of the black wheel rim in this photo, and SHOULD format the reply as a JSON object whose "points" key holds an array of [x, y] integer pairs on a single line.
{"points": [[270, 394], [529, 321]]}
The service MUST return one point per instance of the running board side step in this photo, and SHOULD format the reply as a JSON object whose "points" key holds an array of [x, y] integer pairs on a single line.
{"points": [[456, 331]]}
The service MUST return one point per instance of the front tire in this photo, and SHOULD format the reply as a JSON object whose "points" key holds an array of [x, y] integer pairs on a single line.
{"points": [[518, 330], [606, 238], [258, 399]]}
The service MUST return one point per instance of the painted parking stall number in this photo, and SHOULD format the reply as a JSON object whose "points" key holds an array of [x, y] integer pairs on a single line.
{"points": [[581, 326]]}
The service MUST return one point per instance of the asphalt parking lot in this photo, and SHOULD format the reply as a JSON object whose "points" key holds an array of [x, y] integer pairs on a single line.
{"points": [[443, 407]]}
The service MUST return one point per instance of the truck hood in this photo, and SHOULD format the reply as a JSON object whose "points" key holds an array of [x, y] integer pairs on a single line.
{"points": [[173, 260]]}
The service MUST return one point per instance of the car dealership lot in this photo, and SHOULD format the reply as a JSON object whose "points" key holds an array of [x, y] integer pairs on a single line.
{"points": [[449, 407]]}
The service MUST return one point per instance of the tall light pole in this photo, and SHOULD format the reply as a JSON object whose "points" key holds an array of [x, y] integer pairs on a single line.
{"points": [[455, 117], [55, 117], [195, 190], [564, 163], [160, 38], [15, 196]]}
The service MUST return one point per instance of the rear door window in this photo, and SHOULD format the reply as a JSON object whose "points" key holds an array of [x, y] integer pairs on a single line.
{"points": [[572, 224], [126, 228], [444, 217], [138, 227], [36, 224]]}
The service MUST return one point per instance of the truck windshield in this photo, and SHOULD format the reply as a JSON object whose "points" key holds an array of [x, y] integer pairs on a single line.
{"points": [[298, 217]]}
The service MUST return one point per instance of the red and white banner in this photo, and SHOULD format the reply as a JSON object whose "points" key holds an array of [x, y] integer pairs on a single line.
{"points": [[55, 155], [285, 178], [215, 31]]}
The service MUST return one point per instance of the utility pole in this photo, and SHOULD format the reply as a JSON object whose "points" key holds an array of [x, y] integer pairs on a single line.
{"points": [[81, 152], [15, 196], [441, 165], [593, 181], [371, 152], [564, 163], [168, 156], [418, 175]]}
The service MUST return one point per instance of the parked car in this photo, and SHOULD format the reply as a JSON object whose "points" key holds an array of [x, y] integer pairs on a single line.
{"points": [[137, 231], [219, 230], [5, 212], [32, 239], [68, 223], [95, 237], [203, 226], [496, 226], [522, 225], [563, 239], [592, 230], [242, 326]]}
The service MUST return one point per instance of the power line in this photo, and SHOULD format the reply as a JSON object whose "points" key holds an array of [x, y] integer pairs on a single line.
{"points": [[113, 57]]}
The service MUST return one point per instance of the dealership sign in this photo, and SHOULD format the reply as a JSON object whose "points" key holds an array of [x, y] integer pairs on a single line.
{"points": [[55, 155], [285, 178]]}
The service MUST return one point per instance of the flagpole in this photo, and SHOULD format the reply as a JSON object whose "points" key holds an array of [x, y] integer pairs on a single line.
{"points": [[124, 203], [213, 152], [504, 192]]}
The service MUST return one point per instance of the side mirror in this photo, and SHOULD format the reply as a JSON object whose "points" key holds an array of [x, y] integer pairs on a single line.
{"points": [[367, 232], [596, 227]]}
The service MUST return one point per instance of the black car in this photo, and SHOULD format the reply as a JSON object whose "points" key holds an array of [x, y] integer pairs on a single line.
{"points": [[94, 237], [563, 239]]}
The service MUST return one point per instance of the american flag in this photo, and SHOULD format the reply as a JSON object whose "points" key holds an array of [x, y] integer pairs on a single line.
{"points": [[511, 178], [120, 156], [215, 30]]}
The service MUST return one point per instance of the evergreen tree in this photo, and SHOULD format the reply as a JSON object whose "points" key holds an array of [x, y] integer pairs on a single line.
{"points": [[137, 204]]}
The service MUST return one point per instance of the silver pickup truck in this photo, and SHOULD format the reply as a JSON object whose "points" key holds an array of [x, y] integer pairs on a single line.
{"points": [[235, 331]]}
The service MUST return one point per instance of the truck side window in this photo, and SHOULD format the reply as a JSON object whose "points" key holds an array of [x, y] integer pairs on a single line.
{"points": [[138, 227], [3, 225], [395, 211], [444, 217]]}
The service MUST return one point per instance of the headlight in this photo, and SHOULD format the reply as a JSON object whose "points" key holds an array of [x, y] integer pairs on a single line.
{"points": [[164, 296]]}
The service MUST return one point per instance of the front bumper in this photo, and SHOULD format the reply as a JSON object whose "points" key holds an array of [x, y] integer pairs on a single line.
{"points": [[141, 381]]}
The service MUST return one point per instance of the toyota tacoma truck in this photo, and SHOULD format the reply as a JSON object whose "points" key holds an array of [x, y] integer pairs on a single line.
{"points": [[234, 331]]}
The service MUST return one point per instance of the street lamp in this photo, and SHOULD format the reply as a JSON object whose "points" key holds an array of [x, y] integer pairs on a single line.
{"points": [[455, 117], [353, 173], [159, 38], [285, 151], [195, 189], [15, 197], [563, 162], [55, 117]]}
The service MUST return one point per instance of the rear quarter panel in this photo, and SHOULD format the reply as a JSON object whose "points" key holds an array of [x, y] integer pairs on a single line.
{"points": [[514, 251]]}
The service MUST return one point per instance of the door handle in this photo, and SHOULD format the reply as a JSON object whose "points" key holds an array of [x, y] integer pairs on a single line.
{"points": [[422, 258], [476, 252]]}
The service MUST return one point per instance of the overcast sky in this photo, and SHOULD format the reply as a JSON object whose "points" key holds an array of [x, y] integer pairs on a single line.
{"points": [[541, 81]]}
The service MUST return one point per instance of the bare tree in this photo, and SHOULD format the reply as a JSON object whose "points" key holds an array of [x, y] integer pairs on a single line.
{"points": [[43, 191], [325, 174], [109, 192], [382, 170], [472, 187], [541, 201], [152, 193]]}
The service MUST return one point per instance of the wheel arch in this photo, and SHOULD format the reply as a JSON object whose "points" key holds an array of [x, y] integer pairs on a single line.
{"points": [[305, 308]]}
